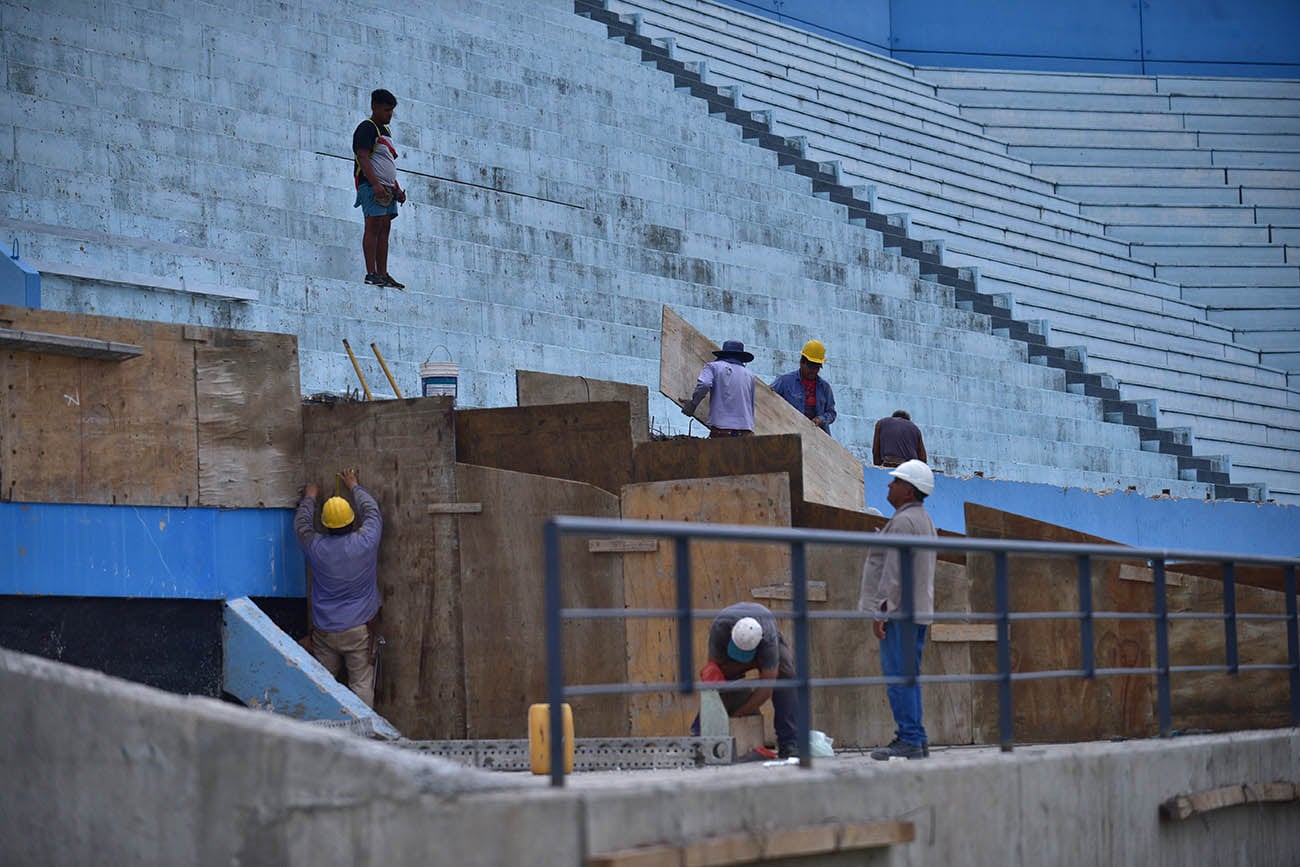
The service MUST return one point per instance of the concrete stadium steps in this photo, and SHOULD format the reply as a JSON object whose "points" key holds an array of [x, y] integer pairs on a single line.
{"points": [[1248, 128], [564, 192], [687, 20]]}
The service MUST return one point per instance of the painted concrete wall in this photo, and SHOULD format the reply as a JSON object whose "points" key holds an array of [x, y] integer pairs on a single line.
{"points": [[1256, 38], [148, 551], [1121, 516], [100, 771]]}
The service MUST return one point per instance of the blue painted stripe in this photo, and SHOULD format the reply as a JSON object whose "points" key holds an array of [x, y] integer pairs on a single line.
{"points": [[59, 549]]}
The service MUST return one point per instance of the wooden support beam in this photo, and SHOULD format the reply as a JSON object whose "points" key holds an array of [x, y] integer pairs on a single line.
{"points": [[757, 846], [622, 546], [785, 591], [1185, 806], [955, 633], [455, 508], [64, 344]]}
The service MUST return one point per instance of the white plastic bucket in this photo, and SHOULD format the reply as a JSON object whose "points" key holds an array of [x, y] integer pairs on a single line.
{"points": [[438, 378]]}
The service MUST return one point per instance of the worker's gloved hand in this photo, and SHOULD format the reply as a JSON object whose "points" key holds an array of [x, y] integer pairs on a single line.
{"points": [[712, 673]]}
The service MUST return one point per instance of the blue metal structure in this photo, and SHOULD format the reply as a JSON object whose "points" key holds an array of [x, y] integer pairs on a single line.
{"points": [[1248, 38], [683, 532], [20, 283]]}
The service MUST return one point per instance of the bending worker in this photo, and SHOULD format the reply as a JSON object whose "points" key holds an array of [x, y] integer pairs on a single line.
{"points": [[343, 587], [729, 386], [744, 637], [807, 392]]}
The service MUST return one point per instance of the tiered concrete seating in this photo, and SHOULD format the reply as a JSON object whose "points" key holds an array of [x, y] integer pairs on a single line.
{"points": [[561, 193], [879, 123], [1201, 174]]}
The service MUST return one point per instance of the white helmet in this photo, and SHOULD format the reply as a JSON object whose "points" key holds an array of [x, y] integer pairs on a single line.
{"points": [[917, 474], [746, 634]]}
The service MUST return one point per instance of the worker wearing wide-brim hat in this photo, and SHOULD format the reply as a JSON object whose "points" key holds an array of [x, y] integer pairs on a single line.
{"points": [[729, 385], [805, 390]]}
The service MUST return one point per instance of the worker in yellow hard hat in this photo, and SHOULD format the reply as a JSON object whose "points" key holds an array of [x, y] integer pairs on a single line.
{"points": [[343, 588], [805, 390]]}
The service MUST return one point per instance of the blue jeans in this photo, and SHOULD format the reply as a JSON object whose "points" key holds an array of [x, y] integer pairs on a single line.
{"points": [[904, 701]]}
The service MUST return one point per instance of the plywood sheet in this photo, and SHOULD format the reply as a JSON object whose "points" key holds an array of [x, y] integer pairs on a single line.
{"points": [[249, 418], [696, 458], [721, 573], [502, 571], [581, 442], [832, 475], [533, 388], [403, 450], [78, 430]]}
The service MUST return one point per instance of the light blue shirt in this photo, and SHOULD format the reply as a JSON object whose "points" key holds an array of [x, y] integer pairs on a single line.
{"points": [[730, 387]]}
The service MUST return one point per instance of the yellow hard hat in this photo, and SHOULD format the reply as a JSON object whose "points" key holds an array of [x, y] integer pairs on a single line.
{"points": [[814, 351], [336, 513]]}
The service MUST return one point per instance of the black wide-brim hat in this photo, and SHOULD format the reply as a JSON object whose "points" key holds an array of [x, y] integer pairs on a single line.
{"points": [[733, 349]]}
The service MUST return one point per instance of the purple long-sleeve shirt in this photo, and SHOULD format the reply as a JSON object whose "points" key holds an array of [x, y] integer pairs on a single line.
{"points": [[344, 568], [730, 388]]}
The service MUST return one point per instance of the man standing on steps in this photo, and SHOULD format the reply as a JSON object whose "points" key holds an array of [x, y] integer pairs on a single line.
{"points": [[881, 594], [897, 439], [378, 192], [343, 589], [729, 386], [807, 392]]}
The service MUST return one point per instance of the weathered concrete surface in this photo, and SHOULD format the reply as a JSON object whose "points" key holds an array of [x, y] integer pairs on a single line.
{"points": [[102, 771]]}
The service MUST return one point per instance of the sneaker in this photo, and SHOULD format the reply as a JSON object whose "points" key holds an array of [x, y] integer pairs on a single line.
{"points": [[389, 281], [901, 750], [787, 751], [375, 279]]}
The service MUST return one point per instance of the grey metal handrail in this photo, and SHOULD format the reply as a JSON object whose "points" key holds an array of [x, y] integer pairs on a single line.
{"points": [[799, 538]]}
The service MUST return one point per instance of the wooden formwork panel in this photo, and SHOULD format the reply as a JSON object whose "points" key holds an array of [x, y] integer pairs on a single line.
{"points": [[721, 573], [502, 588], [1075, 709], [696, 458], [204, 417], [403, 450], [831, 474], [533, 388], [581, 442]]}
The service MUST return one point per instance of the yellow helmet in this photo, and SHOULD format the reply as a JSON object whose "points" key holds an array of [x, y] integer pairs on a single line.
{"points": [[814, 351], [336, 513]]}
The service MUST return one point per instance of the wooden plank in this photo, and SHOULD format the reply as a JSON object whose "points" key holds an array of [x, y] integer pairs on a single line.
{"points": [[64, 344], [785, 591], [581, 442], [403, 450], [831, 518], [533, 388], [721, 573], [504, 628], [954, 633], [1186, 806], [764, 845], [832, 475], [249, 418], [76, 430], [622, 546], [696, 458]]}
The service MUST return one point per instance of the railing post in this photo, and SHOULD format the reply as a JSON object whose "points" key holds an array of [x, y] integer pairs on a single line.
{"points": [[554, 651], [1292, 644], [1086, 655], [1002, 591], [803, 697], [907, 596], [1230, 615], [686, 665], [1163, 712]]}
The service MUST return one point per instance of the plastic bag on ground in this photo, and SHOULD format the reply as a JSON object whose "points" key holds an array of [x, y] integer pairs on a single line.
{"points": [[819, 745]]}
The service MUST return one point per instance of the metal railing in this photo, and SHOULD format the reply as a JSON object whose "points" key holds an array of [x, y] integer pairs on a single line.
{"points": [[682, 533]]}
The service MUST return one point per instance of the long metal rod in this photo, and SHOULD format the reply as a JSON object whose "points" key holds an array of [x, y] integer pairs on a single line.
{"points": [[554, 651], [803, 696], [1230, 616], [1293, 645], [1006, 727], [357, 367], [1163, 711], [391, 381], [686, 666], [1085, 616]]}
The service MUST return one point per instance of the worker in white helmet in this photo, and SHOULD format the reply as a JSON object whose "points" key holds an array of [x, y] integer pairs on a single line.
{"points": [[343, 590], [805, 390], [881, 594], [742, 638]]}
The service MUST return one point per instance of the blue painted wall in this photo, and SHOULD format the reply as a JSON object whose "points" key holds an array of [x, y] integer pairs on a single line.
{"points": [[1255, 38], [1192, 525], [148, 551]]}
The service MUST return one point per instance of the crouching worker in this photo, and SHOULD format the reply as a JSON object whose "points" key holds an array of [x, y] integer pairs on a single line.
{"points": [[343, 587], [744, 637]]}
